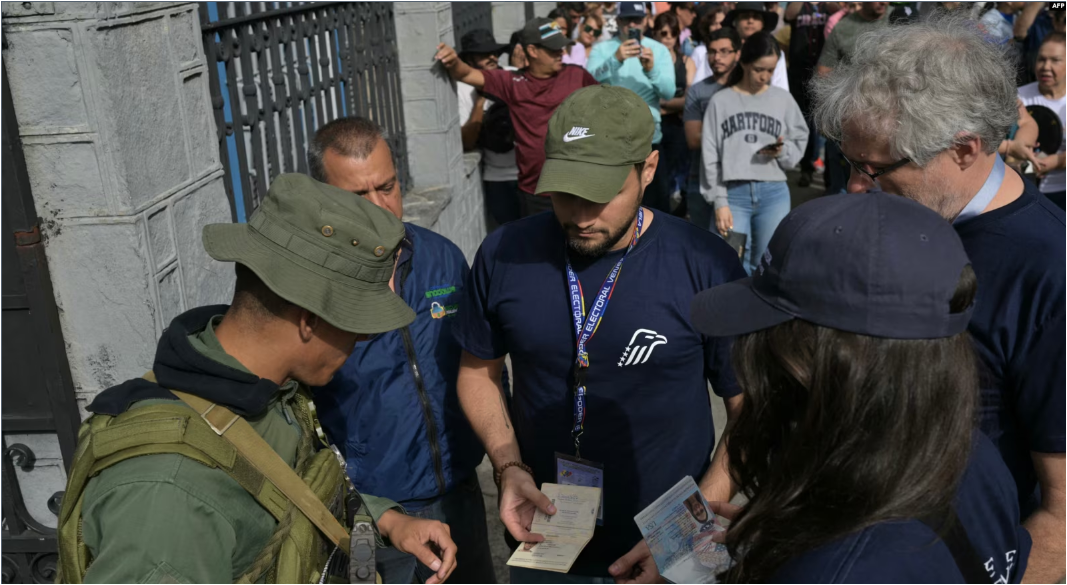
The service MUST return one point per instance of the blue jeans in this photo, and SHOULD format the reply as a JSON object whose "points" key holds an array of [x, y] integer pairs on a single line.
{"points": [[524, 575], [758, 207], [463, 509]]}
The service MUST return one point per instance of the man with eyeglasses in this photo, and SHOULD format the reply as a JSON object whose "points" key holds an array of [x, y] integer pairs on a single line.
{"points": [[838, 49], [724, 47], [644, 66], [928, 147]]}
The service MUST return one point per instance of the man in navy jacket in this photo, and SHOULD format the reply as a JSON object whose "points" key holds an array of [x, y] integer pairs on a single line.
{"points": [[393, 406]]}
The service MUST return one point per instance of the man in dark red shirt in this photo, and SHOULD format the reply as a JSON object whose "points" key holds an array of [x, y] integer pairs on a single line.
{"points": [[532, 95]]}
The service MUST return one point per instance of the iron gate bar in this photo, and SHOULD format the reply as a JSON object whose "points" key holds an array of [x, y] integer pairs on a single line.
{"points": [[29, 547], [229, 22], [299, 66], [22, 215], [217, 103], [468, 16]]}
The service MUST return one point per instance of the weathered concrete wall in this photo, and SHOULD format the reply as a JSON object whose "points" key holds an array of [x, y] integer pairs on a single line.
{"points": [[445, 196], [463, 221], [117, 129]]}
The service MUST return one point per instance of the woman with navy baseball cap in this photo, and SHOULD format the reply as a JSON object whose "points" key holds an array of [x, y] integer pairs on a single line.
{"points": [[856, 444]]}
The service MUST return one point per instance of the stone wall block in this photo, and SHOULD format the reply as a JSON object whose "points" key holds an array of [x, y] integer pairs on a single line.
{"points": [[45, 85], [145, 119], [418, 31], [104, 292], [65, 178], [184, 37], [420, 83], [199, 126], [170, 296], [432, 167], [205, 281], [463, 221], [160, 238]]}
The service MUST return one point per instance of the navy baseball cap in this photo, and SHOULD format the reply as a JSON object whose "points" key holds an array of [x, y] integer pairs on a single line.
{"points": [[872, 263], [632, 10]]}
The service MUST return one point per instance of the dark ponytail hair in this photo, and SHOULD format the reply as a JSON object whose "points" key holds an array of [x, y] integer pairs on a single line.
{"points": [[840, 431], [758, 46]]}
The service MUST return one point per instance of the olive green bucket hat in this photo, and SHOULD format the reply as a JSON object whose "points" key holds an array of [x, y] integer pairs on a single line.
{"points": [[323, 249], [595, 137]]}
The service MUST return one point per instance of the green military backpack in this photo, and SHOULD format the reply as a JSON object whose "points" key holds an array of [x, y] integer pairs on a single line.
{"points": [[310, 544]]}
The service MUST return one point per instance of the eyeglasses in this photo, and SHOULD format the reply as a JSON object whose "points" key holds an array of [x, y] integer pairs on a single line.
{"points": [[874, 175], [593, 31], [724, 52]]}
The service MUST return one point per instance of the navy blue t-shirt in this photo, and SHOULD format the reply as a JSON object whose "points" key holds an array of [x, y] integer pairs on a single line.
{"points": [[1018, 254], [648, 410], [909, 551]]}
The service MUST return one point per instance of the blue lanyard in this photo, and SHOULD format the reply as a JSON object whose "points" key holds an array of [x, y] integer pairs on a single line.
{"points": [[985, 195], [586, 326]]}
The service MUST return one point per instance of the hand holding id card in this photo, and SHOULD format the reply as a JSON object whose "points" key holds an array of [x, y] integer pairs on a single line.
{"points": [[678, 528]]}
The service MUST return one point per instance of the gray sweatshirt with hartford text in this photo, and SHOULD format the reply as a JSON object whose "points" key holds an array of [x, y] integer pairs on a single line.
{"points": [[736, 126]]}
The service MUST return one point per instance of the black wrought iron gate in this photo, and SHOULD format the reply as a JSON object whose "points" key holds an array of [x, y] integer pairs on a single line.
{"points": [[468, 16], [284, 72], [38, 394]]}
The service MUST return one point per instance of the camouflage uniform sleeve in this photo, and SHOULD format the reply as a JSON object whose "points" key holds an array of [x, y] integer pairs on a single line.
{"points": [[377, 506], [157, 532]]}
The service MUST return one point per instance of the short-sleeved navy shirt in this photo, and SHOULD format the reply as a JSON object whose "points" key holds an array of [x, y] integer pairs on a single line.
{"points": [[1018, 254], [648, 411], [909, 551]]}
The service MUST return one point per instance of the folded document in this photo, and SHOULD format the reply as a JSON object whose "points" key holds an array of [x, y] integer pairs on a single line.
{"points": [[566, 533]]}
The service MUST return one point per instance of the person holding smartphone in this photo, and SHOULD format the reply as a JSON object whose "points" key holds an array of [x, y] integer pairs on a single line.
{"points": [[752, 134], [644, 66]]}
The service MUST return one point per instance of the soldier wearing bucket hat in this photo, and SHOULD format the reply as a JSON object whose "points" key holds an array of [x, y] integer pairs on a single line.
{"points": [[861, 392], [313, 266], [539, 291]]}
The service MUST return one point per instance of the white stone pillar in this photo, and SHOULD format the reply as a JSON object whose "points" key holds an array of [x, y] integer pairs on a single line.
{"points": [[443, 195], [117, 127]]}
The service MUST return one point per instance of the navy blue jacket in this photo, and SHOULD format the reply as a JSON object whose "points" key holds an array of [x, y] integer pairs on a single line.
{"points": [[393, 407]]}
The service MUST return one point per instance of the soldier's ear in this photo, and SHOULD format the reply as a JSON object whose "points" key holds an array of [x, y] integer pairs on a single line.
{"points": [[306, 325]]}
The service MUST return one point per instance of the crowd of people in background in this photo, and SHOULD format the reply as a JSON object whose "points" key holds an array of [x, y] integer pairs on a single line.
{"points": [[664, 52]]}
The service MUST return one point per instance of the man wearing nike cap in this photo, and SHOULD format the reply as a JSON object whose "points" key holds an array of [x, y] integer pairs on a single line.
{"points": [[531, 94], [634, 370]]}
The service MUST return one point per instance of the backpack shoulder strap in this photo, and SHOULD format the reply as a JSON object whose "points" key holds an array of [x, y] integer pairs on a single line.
{"points": [[266, 461]]}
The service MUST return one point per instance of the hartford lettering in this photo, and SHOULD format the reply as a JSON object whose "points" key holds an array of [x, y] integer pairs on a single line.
{"points": [[751, 121]]}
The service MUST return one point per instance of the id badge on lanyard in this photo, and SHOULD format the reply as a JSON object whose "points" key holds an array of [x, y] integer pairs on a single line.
{"points": [[575, 470]]}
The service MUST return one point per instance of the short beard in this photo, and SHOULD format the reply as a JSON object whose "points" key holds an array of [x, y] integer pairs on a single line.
{"points": [[937, 194], [593, 250]]}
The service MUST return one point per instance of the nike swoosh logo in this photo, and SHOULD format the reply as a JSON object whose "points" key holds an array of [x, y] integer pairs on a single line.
{"points": [[573, 138]]}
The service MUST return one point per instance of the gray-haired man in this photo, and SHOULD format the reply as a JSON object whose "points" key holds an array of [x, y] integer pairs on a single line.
{"points": [[919, 111]]}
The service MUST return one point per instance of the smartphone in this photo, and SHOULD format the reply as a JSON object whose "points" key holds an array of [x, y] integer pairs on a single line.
{"points": [[634, 34], [771, 146]]}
